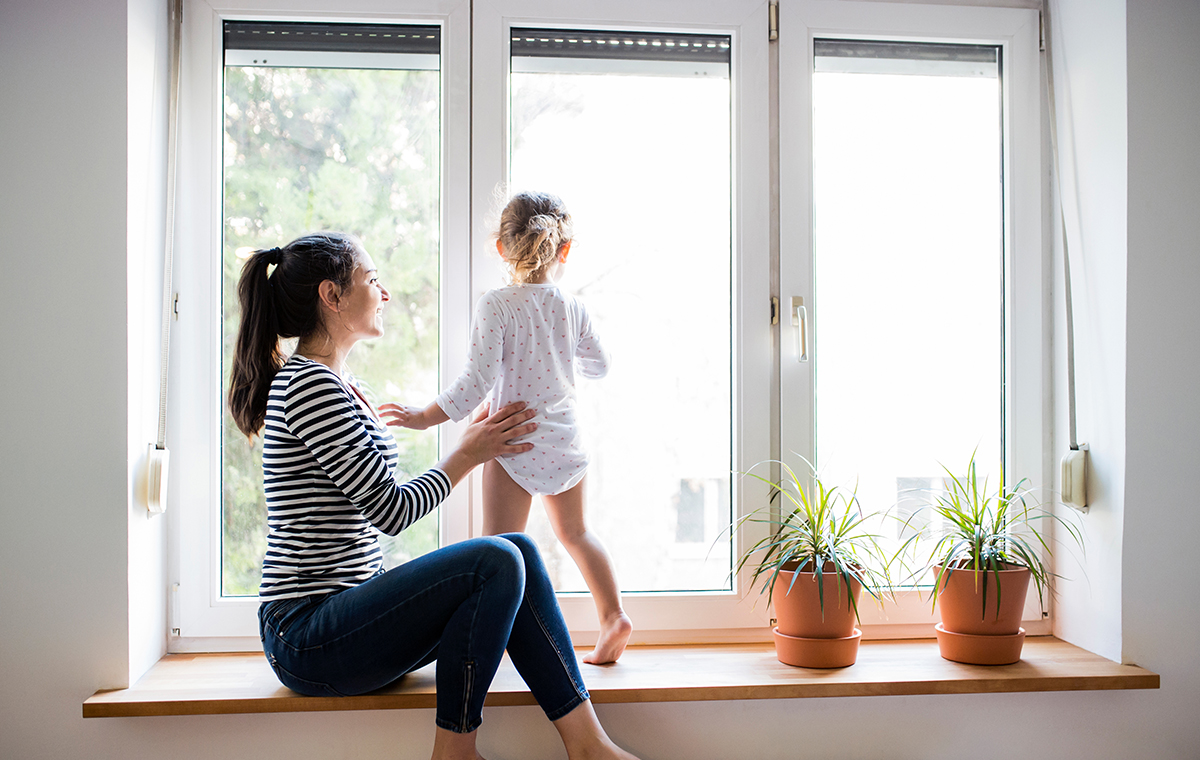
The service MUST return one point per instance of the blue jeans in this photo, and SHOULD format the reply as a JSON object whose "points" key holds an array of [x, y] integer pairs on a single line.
{"points": [[462, 605]]}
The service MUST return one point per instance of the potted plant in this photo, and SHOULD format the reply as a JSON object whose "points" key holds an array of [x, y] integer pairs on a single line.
{"points": [[815, 565], [987, 551]]}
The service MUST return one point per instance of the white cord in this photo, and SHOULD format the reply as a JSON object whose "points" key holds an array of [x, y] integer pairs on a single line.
{"points": [[1058, 173]]}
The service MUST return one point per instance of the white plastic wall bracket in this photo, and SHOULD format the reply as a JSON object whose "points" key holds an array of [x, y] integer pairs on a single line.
{"points": [[1074, 478], [157, 467]]}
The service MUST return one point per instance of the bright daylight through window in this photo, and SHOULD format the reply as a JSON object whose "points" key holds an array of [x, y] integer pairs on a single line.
{"points": [[632, 130], [334, 127], [908, 260]]}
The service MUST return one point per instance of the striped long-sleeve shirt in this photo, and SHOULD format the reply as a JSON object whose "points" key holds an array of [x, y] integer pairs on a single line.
{"points": [[329, 476]]}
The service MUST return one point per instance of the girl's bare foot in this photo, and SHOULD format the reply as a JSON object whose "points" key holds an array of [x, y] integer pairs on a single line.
{"points": [[614, 635]]}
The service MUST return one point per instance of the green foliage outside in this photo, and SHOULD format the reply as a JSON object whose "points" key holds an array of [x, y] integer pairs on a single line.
{"points": [[354, 151]]}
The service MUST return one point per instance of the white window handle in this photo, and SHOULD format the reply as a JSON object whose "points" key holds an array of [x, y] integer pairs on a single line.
{"points": [[800, 322]]}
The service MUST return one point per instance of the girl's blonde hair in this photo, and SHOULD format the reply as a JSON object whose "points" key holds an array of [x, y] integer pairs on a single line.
{"points": [[533, 229]]}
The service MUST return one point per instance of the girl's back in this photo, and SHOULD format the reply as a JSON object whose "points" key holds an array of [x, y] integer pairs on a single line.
{"points": [[527, 343]]}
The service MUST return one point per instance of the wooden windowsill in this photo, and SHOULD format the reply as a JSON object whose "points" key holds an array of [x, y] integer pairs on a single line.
{"points": [[218, 684]]}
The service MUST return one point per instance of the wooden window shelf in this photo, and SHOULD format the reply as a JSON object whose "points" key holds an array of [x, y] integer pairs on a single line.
{"points": [[218, 684]]}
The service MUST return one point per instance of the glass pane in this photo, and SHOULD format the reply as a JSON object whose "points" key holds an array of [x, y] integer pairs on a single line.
{"points": [[643, 163], [908, 282], [334, 149]]}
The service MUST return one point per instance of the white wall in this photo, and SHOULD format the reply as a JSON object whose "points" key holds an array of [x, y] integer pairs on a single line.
{"points": [[1161, 601], [1089, 78], [148, 93], [63, 600], [73, 420]]}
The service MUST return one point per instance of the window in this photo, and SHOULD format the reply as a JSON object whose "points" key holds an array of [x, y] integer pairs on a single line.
{"points": [[600, 117], [294, 124], [662, 159], [659, 141], [333, 126], [908, 264], [909, 139]]}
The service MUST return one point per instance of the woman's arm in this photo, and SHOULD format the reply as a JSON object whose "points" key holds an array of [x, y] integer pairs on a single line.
{"points": [[487, 437]]}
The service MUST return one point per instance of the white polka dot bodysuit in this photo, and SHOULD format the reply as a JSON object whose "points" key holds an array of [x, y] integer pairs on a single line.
{"points": [[527, 343]]}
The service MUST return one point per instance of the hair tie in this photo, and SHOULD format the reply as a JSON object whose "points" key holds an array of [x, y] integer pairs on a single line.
{"points": [[273, 255]]}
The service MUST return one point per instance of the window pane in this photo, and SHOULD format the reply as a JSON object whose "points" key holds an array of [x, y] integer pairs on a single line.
{"points": [[908, 276], [334, 149], [640, 154]]}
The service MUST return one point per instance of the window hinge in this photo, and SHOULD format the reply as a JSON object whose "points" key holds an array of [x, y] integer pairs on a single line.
{"points": [[175, 307], [1041, 32], [174, 610], [774, 310], [773, 22]]}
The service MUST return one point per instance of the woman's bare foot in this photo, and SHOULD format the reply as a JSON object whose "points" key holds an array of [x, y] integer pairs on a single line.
{"points": [[614, 635], [584, 737], [449, 745]]}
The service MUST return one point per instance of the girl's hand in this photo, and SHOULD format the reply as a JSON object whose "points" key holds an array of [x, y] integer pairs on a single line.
{"points": [[402, 415], [489, 436], [412, 417]]}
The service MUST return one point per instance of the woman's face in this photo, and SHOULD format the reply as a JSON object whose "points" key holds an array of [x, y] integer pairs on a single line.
{"points": [[362, 306]]}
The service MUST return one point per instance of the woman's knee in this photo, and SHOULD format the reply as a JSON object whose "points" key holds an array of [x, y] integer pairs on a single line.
{"points": [[529, 551], [522, 542], [495, 556]]}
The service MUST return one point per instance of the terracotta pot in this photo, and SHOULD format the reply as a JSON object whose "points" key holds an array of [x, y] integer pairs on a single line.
{"points": [[980, 650], [961, 601], [816, 653], [798, 612]]}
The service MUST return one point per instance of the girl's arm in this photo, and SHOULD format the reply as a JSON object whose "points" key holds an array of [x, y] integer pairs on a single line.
{"points": [[414, 417], [483, 363], [593, 360]]}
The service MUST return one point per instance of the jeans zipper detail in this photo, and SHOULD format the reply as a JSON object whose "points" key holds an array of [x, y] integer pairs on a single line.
{"points": [[468, 688]]}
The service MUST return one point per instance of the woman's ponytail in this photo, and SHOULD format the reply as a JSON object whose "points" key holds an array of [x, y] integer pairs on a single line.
{"points": [[279, 297], [256, 354]]}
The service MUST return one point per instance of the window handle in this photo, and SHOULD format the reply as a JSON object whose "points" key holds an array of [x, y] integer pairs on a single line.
{"points": [[800, 323]]}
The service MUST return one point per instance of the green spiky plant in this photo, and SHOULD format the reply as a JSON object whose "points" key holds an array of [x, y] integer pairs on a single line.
{"points": [[818, 528], [981, 532]]}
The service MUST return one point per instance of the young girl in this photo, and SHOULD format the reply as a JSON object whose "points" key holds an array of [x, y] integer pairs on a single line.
{"points": [[528, 341]]}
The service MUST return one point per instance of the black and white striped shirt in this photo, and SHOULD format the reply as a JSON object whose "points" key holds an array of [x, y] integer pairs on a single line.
{"points": [[329, 476]]}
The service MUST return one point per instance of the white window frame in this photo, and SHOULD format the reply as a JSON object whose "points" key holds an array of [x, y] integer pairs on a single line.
{"points": [[474, 66], [201, 620], [1027, 326]]}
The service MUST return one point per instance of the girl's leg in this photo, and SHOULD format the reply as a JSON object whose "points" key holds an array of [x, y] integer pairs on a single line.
{"points": [[505, 504], [541, 650], [456, 604], [566, 513]]}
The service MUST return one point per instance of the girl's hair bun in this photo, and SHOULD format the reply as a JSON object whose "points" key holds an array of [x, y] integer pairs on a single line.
{"points": [[533, 228]]}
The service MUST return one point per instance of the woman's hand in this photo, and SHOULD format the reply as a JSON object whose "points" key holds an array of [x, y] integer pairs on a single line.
{"points": [[487, 437], [415, 418]]}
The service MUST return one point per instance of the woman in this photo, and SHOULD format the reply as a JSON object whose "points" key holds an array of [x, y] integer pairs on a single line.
{"points": [[332, 622]]}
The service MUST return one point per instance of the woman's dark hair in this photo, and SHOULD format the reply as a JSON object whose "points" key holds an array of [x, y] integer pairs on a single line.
{"points": [[283, 303]]}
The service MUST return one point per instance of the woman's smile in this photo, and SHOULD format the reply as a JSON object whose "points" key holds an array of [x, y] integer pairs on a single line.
{"points": [[366, 296]]}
